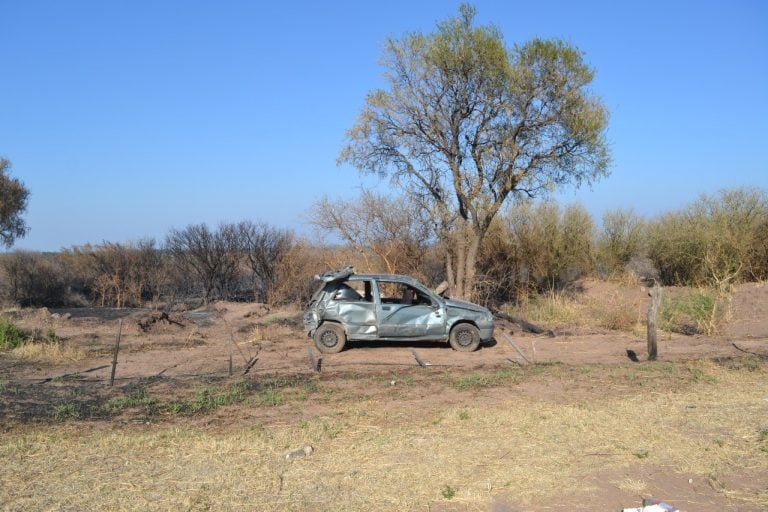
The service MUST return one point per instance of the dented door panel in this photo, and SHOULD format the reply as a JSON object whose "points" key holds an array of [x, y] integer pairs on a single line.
{"points": [[359, 319]]}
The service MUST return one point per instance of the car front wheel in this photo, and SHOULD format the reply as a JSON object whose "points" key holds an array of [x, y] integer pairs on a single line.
{"points": [[330, 338], [465, 338]]}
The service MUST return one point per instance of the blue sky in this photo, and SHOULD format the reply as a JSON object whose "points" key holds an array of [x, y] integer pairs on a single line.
{"points": [[128, 118]]}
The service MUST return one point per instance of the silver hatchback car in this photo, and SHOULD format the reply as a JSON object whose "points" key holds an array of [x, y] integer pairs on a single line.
{"points": [[352, 307]]}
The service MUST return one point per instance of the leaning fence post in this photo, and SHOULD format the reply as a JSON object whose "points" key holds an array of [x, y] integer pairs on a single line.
{"points": [[117, 349], [653, 310]]}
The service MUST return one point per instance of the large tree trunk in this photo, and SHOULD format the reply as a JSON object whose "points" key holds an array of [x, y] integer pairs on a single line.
{"points": [[461, 260]]}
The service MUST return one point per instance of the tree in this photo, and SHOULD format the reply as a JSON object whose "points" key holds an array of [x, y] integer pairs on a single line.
{"points": [[390, 234], [465, 123], [264, 248], [211, 257], [13, 202]]}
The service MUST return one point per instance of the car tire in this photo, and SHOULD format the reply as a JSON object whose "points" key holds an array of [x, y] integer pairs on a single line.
{"points": [[464, 337], [330, 338]]}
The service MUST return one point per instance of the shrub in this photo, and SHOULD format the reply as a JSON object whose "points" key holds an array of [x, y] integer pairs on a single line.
{"points": [[10, 335], [535, 247], [715, 241], [620, 241], [34, 279]]}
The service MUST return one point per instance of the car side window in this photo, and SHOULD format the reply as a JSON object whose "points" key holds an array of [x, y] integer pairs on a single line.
{"points": [[354, 291], [401, 293], [346, 293]]}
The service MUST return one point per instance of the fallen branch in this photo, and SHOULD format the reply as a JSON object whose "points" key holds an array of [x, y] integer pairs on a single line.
{"points": [[49, 379], [526, 326], [154, 317], [418, 359], [514, 346], [250, 365], [761, 356]]}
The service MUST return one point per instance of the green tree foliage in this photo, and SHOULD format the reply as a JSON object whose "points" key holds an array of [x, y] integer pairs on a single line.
{"points": [[465, 123], [13, 203]]}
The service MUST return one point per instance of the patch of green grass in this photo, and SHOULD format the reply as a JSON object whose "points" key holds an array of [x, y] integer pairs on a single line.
{"points": [[463, 414], [448, 492], [762, 434], [209, 399], [697, 312], [272, 397], [480, 380], [699, 375], [138, 398], [642, 454], [10, 335], [66, 411]]}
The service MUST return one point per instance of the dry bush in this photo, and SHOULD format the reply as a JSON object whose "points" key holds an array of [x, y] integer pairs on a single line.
{"points": [[211, 258], [620, 241], [264, 248], [715, 241], [294, 274], [536, 247], [34, 279], [391, 234], [119, 275]]}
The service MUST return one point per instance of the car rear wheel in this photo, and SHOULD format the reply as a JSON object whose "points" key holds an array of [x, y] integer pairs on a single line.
{"points": [[465, 337], [330, 338]]}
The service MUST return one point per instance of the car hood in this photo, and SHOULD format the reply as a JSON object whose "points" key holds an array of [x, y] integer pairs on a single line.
{"points": [[462, 304]]}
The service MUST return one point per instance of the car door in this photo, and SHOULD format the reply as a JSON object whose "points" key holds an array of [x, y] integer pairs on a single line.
{"points": [[406, 311], [354, 306]]}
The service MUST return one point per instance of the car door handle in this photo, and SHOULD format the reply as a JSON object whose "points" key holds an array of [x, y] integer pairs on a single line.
{"points": [[385, 308]]}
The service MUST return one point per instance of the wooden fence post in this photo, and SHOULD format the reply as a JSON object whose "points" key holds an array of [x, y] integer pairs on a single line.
{"points": [[653, 311], [229, 350], [117, 349]]}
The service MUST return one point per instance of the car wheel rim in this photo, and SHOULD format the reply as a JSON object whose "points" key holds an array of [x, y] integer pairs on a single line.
{"points": [[464, 338], [329, 339]]}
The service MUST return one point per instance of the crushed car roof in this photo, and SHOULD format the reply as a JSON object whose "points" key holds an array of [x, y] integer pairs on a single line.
{"points": [[348, 273]]}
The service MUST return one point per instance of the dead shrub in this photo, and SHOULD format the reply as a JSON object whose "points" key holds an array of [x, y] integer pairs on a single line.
{"points": [[33, 279]]}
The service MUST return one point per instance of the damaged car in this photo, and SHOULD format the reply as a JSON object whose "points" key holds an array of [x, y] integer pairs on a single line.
{"points": [[356, 307]]}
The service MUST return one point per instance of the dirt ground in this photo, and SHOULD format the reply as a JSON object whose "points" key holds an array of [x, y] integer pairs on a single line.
{"points": [[197, 342], [187, 348]]}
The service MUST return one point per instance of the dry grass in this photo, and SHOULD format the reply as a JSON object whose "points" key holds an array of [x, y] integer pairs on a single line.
{"points": [[378, 455], [558, 309], [48, 351], [554, 308]]}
